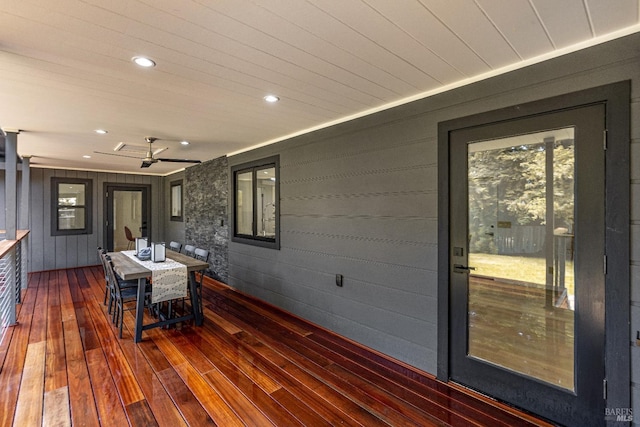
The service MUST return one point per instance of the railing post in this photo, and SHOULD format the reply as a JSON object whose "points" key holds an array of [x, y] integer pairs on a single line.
{"points": [[11, 274], [24, 216], [10, 184]]}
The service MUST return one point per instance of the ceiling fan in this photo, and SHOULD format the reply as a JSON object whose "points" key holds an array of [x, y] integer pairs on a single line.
{"points": [[149, 159]]}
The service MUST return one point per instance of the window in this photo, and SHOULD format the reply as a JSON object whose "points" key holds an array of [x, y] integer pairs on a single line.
{"points": [[71, 206], [256, 203], [176, 201]]}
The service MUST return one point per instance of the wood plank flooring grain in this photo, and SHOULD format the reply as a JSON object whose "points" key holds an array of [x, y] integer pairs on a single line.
{"points": [[324, 400], [30, 398], [128, 388], [266, 332], [217, 341], [83, 408], [219, 351], [426, 398], [226, 369], [39, 320], [193, 413], [287, 320], [12, 368], [140, 415], [302, 412], [160, 397], [56, 408], [221, 321], [240, 391], [249, 364], [55, 365], [32, 282], [109, 405], [210, 400]]}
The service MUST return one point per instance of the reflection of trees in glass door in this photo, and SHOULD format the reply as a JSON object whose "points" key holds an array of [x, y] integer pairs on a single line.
{"points": [[521, 222]]}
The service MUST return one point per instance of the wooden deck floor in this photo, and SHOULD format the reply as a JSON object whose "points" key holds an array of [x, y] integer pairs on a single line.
{"points": [[250, 364]]}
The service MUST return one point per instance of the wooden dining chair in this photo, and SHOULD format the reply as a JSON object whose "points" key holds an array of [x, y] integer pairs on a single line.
{"points": [[129, 236], [122, 295], [175, 246]]}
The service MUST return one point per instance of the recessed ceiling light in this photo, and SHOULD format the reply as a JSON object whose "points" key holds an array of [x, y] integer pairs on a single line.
{"points": [[184, 142], [101, 131], [271, 98], [86, 156], [143, 62]]}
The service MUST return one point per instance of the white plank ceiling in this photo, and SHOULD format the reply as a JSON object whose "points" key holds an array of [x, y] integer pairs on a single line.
{"points": [[66, 69]]}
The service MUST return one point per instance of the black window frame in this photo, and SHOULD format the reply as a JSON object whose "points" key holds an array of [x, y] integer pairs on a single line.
{"points": [[88, 206], [172, 185], [255, 239]]}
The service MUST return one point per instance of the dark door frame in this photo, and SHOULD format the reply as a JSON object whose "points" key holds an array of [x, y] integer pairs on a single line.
{"points": [[110, 186], [616, 97], [579, 400]]}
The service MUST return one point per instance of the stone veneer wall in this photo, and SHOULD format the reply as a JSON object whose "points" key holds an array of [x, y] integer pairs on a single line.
{"points": [[206, 221]]}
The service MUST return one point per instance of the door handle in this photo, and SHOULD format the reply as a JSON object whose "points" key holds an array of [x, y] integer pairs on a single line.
{"points": [[459, 268]]}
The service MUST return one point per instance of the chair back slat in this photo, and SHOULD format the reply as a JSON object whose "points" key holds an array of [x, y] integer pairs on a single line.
{"points": [[101, 254], [113, 276], [175, 246], [189, 250], [201, 254]]}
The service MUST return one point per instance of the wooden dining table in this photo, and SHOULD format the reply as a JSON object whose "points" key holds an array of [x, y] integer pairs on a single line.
{"points": [[129, 269]]}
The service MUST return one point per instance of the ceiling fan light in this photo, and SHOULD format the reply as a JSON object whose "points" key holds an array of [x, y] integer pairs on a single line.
{"points": [[271, 98], [144, 61]]}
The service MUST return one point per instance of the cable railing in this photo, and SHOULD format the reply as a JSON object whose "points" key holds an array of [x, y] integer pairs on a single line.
{"points": [[13, 278]]}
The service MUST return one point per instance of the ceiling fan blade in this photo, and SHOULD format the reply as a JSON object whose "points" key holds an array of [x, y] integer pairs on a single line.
{"points": [[179, 160], [149, 159], [117, 155]]}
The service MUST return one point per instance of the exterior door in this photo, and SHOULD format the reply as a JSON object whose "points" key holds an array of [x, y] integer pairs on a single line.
{"points": [[527, 262], [127, 206]]}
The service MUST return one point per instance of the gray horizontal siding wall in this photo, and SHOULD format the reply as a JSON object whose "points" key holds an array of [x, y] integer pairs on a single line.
{"points": [[172, 230], [54, 252], [360, 199], [366, 210]]}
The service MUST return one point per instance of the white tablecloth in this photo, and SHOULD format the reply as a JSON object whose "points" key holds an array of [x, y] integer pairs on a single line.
{"points": [[169, 278]]}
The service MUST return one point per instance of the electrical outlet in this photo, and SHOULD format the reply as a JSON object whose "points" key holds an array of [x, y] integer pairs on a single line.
{"points": [[339, 280]]}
